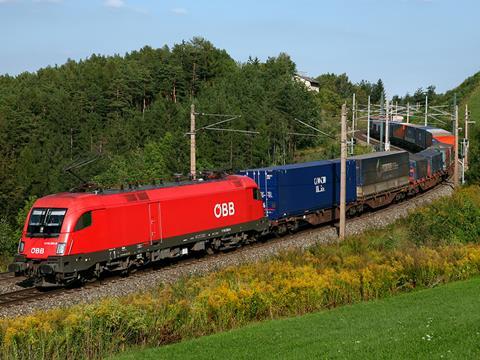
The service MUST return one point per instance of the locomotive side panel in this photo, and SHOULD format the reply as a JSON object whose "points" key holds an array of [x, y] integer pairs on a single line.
{"points": [[195, 216], [127, 225], [89, 232]]}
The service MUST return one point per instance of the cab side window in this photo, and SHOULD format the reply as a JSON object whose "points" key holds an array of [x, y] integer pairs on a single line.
{"points": [[84, 221]]}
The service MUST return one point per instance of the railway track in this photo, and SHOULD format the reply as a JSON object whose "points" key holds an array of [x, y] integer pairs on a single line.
{"points": [[31, 294], [23, 296]]}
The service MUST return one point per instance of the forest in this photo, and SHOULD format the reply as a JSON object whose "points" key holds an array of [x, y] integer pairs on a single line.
{"points": [[128, 117]]}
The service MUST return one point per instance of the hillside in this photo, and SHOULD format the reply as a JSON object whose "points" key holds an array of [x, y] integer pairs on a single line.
{"points": [[132, 112], [469, 92]]}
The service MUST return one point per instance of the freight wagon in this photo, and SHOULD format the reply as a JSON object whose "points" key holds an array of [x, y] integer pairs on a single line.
{"points": [[434, 161], [418, 168], [381, 171], [442, 136], [306, 192], [417, 138], [411, 136], [447, 154]]}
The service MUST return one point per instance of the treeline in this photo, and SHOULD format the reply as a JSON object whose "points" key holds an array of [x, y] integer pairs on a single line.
{"points": [[132, 113]]}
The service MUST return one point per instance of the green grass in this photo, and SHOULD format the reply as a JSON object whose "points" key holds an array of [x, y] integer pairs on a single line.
{"points": [[439, 323]]}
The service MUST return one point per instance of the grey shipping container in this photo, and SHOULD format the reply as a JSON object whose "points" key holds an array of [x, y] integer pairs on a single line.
{"points": [[418, 167], [423, 138], [381, 171], [297, 189], [418, 136], [446, 151], [410, 134], [434, 158]]}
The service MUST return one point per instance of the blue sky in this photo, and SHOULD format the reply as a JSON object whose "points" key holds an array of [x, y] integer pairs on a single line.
{"points": [[407, 43]]}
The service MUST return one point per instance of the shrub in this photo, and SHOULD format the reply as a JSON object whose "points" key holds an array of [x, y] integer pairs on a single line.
{"points": [[8, 242], [448, 220]]}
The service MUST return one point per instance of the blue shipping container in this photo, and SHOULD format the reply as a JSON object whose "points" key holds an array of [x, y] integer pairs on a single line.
{"points": [[297, 189]]}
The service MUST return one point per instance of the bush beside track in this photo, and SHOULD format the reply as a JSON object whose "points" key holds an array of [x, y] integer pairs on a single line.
{"points": [[399, 258]]}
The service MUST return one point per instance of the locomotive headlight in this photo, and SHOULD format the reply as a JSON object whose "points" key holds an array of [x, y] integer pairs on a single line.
{"points": [[61, 248], [21, 246]]}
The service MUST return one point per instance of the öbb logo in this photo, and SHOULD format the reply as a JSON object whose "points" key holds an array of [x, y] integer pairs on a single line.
{"points": [[224, 209], [37, 250]]}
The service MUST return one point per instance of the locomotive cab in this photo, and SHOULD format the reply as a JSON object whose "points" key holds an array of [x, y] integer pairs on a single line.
{"points": [[43, 240], [43, 236], [46, 238]]}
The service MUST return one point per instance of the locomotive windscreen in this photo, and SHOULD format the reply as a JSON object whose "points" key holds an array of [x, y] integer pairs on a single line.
{"points": [[45, 222]]}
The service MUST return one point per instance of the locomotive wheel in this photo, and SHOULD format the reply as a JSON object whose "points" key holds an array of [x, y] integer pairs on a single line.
{"points": [[281, 230], [293, 227], [125, 273]]}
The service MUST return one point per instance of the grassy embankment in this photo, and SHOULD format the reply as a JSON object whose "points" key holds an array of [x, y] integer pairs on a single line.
{"points": [[443, 322], [473, 101]]}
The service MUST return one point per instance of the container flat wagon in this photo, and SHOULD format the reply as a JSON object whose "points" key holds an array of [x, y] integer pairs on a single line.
{"points": [[302, 193]]}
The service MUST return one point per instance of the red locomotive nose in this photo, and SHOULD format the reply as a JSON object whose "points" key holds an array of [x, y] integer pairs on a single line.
{"points": [[41, 248]]}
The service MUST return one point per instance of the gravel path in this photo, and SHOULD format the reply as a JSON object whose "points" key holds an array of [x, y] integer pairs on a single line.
{"points": [[145, 280]]}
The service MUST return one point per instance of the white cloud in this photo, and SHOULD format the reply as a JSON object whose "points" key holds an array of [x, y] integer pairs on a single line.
{"points": [[179, 11], [114, 3]]}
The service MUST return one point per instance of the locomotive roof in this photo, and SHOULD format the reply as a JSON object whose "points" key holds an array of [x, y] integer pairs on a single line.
{"points": [[79, 201], [157, 186]]}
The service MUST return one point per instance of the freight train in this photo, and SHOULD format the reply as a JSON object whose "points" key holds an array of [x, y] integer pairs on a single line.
{"points": [[75, 237]]}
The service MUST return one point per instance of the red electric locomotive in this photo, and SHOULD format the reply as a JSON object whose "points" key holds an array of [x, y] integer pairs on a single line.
{"points": [[72, 237]]}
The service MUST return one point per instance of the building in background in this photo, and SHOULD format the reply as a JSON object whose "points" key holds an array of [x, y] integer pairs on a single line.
{"points": [[309, 82]]}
